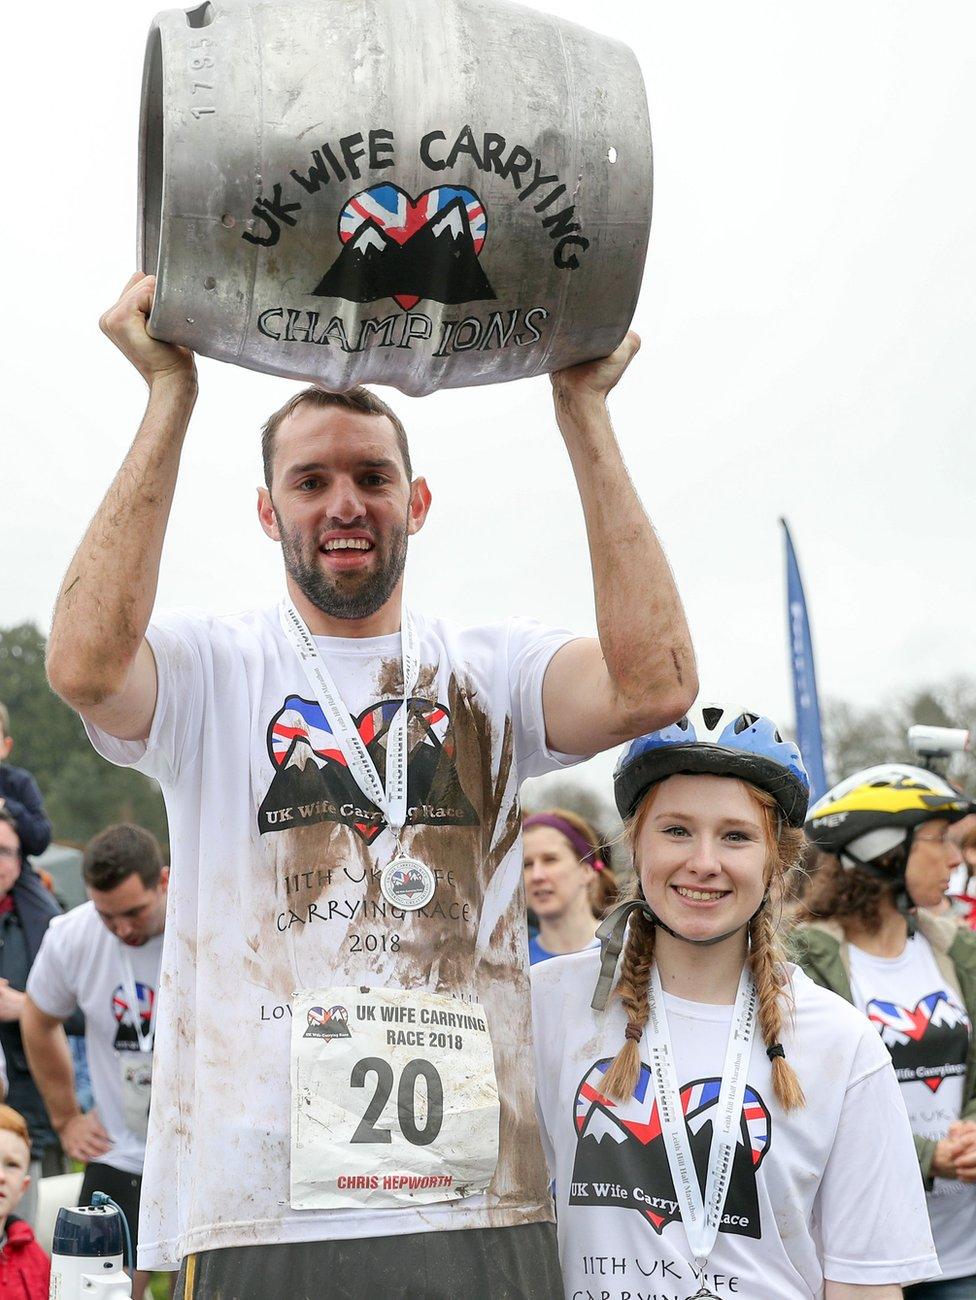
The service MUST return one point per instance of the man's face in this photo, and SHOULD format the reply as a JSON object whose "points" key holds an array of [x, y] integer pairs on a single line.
{"points": [[14, 1163], [9, 858], [6, 745], [342, 508], [134, 912]]}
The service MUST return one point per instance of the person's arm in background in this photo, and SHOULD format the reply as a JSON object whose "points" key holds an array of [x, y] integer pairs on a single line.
{"points": [[49, 1057], [21, 797], [11, 1001], [639, 673], [98, 659]]}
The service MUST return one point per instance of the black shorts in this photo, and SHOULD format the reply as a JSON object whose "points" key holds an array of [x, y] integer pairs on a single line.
{"points": [[518, 1263], [123, 1188]]}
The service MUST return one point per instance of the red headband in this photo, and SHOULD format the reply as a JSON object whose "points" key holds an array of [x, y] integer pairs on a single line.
{"points": [[581, 847]]}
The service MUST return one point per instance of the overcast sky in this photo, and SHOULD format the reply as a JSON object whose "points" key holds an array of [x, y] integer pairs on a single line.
{"points": [[809, 324]]}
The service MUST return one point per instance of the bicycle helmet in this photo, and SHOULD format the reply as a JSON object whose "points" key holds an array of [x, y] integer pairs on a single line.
{"points": [[720, 740], [874, 811]]}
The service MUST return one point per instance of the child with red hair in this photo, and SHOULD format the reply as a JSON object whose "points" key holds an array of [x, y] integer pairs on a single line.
{"points": [[25, 1270]]}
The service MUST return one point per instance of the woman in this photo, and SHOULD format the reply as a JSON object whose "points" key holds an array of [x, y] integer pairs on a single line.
{"points": [[885, 857], [688, 1160], [568, 881]]}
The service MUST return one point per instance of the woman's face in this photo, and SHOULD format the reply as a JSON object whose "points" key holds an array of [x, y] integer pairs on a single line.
{"points": [[703, 855], [554, 876], [932, 859]]}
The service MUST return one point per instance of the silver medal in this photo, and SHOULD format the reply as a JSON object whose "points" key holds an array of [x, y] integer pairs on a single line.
{"points": [[407, 883]]}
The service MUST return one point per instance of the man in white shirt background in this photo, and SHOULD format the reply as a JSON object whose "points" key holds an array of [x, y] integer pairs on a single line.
{"points": [[104, 958]]}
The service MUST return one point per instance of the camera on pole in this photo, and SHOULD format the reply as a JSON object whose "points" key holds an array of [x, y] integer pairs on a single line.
{"points": [[935, 746]]}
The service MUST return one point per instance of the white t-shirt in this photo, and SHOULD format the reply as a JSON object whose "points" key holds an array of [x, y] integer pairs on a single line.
{"points": [[925, 1028], [80, 964], [274, 887], [830, 1191]]}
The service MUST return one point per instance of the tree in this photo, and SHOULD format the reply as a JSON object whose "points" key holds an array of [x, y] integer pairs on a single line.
{"points": [[82, 792], [856, 737], [561, 791]]}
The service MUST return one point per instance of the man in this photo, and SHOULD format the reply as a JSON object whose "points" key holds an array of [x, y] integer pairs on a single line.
{"points": [[104, 958], [346, 1027], [26, 908]]}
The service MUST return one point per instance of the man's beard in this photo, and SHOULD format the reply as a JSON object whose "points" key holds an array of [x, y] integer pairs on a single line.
{"points": [[352, 596]]}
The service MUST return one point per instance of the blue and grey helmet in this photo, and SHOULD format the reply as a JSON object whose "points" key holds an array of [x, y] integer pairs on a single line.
{"points": [[716, 740]]}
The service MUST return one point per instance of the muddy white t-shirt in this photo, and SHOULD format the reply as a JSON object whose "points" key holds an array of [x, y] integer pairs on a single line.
{"points": [[80, 964], [925, 1028], [275, 861], [831, 1191]]}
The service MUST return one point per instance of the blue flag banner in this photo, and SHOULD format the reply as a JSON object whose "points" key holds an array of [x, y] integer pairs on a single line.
{"points": [[808, 732]]}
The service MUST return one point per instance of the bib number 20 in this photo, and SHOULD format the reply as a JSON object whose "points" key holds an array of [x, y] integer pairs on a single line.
{"points": [[406, 1100]]}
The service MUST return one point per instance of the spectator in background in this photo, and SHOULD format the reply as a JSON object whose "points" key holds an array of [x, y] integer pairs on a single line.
{"points": [[20, 796], [868, 933], [568, 881], [25, 1271], [962, 884], [104, 957], [26, 908], [967, 849]]}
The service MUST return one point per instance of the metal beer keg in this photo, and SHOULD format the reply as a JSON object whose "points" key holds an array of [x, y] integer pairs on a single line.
{"points": [[423, 193]]}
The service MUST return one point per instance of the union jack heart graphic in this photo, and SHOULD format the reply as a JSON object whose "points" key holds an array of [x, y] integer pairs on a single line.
{"points": [[313, 780], [620, 1149], [327, 1023], [120, 1004], [928, 1042], [408, 248]]}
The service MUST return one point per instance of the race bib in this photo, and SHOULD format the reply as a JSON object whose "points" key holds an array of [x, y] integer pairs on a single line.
{"points": [[394, 1098], [136, 1070]]}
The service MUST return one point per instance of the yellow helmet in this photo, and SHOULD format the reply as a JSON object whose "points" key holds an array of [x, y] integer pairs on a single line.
{"points": [[874, 811]]}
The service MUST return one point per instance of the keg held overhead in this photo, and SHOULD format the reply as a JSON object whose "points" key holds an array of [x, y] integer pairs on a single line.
{"points": [[310, 213]]}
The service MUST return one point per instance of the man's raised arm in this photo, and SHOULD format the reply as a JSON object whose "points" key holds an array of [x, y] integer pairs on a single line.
{"points": [[98, 660], [640, 674]]}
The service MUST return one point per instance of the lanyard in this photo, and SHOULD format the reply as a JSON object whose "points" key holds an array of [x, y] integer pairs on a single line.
{"points": [[701, 1218], [145, 1040], [391, 797]]}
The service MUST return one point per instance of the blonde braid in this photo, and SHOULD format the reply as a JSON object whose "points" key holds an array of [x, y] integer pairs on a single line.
{"points": [[633, 990], [766, 962]]}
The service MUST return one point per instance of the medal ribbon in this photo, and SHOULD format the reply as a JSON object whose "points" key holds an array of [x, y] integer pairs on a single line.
{"points": [[132, 997], [701, 1217], [391, 797]]}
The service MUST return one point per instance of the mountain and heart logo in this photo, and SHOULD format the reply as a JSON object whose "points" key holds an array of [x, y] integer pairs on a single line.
{"points": [[327, 1022], [929, 1042], [621, 1160], [312, 782], [126, 1036], [395, 246]]}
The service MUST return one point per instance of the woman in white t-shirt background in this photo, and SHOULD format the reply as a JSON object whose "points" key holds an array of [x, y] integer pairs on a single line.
{"points": [[569, 884], [720, 1125], [886, 858]]}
